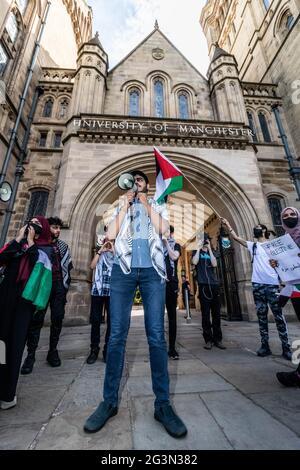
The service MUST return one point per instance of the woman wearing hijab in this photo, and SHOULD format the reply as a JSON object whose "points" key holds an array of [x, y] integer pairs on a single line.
{"points": [[18, 258], [290, 218]]}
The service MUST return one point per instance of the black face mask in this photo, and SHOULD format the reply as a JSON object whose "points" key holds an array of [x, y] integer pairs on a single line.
{"points": [[291, 222], [37, 228], [257, 232]]}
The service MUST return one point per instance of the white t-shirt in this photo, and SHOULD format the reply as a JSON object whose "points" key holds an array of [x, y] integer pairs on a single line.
{"points": [[262, 272]]}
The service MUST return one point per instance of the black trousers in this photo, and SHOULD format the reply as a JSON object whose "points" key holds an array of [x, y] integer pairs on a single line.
{"points": [[15, 344], [211, 312], [171, 304], [97, 304], [57, 304]]}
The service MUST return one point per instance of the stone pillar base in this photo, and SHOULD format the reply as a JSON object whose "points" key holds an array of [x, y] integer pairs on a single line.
{"points": [[78, 303]]}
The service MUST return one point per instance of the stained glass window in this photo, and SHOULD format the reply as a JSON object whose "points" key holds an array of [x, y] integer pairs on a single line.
{"points": [[183, 106], [22, 4], [264, 127], [289, 21], [43, 139], [275, 205], [12, 26], [38, 204], [57, 140], [252, 126], [159, 110], [3, 59], [134, 102], [63, 109], [47, 112]]}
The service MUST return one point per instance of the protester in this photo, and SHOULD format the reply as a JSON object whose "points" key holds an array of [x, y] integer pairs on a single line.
{"points": [[290, 219], [209, 293], [137, 228], [172, 252], [23, 260], [102, 264], [265, 285], [61, 279]]}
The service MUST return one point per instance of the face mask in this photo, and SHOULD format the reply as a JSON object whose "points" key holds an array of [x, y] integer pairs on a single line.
{"points": [[38, 230], [257, 232], [226, 243], [291, 222]]}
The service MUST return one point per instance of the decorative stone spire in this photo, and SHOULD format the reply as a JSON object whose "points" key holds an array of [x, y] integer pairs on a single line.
{"points": [[156, 25]]}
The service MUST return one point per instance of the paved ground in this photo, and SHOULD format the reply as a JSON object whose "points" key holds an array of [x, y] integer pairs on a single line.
{"points": [[228, 399]]}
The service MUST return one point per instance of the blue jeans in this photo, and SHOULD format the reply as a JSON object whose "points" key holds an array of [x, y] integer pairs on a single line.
{"points": [[123, 287]]}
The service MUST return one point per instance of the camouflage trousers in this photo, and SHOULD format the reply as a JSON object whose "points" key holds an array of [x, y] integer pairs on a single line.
{"points": [[265, 297]]}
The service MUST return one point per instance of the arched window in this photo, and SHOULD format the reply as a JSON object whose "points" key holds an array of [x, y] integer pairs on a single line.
{"points": [[159, 107], [276, 206], [63, 109], [289, 21], [286, 22], [134, 102], [183, 105], [38, 203], [47, 112], [12, 26], [252, 126], [22, 5], [3, 59], [264, 127]]}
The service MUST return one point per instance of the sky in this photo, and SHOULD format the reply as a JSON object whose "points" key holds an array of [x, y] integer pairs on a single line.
{"points": [[123, 24]]}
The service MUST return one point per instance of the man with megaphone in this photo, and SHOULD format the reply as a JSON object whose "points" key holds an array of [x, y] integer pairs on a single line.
{"points": [[137, 228]]}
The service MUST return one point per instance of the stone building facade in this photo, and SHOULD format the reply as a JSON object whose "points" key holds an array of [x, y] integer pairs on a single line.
{"points": [[20, 25], [264, 36], [93, 123]]}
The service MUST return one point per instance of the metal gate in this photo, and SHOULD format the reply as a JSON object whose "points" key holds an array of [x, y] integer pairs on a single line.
{"points": [[231, 308]]}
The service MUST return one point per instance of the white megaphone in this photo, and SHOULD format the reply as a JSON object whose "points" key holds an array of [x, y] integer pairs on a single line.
{"points": [[126, 182]]}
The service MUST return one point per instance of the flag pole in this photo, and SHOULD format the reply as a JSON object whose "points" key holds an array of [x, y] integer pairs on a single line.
{"points": [[204, 199], [156, 150]]}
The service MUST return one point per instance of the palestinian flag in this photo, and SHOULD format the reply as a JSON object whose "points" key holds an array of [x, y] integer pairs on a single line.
{"points": [[291, 290], [169, 178], [39, 284]]}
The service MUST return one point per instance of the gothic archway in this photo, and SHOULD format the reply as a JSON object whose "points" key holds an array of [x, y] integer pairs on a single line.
{"points": [[227, 196]]}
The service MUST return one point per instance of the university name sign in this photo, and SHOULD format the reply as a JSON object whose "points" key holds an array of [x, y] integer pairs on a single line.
{"points": [[162, 128]]}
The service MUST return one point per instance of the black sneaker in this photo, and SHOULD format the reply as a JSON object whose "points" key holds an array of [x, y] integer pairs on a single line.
{"points": [[169, 419], [53, 358], [93, 356], [288, 379], [219, 345], [264, 351], [27, 366], [173, 355], [98, 419], [208, 345], [287, 354]]}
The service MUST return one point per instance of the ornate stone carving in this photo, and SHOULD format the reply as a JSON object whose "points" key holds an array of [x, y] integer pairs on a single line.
{"points": [[158, 53]]}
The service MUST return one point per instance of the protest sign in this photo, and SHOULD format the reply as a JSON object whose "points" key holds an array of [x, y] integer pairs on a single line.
{"points": [[285, 251]]}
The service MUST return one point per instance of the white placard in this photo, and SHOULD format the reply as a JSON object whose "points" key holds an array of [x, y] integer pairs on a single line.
{"points": [[285, 251]]}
